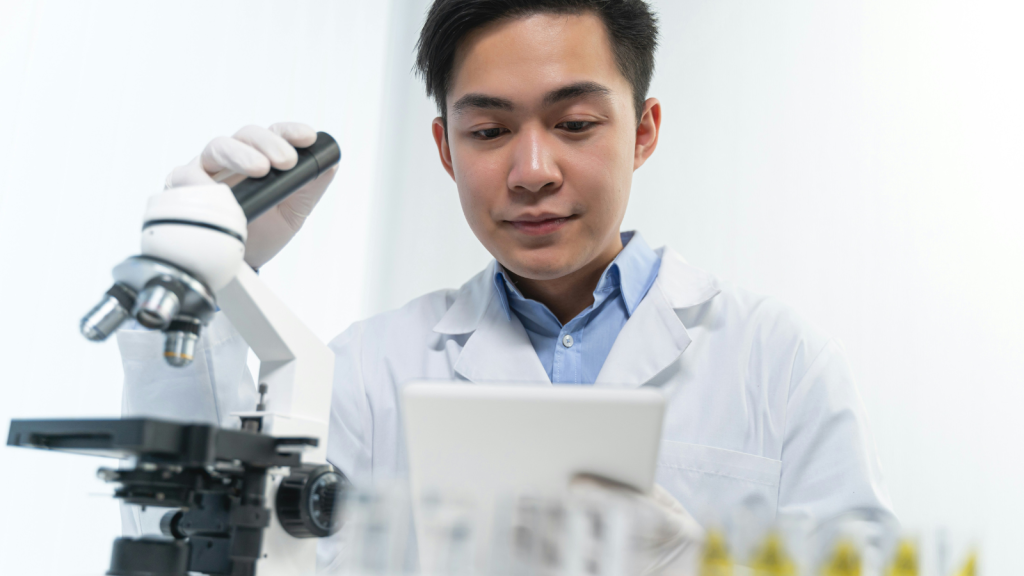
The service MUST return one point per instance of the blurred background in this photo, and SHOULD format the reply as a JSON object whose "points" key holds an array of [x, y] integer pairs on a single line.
{"points": [[859, 160]]}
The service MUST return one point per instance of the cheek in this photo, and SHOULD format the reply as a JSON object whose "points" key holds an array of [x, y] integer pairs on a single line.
{"points": [[481, 183], [602, 175]]}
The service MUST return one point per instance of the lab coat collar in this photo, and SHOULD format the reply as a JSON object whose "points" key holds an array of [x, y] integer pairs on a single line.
{"points": [[654, 337], [470, 305], [683, 284], [499, 350]]}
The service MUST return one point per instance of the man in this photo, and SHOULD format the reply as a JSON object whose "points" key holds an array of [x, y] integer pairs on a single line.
{"points": [[543, 119]]}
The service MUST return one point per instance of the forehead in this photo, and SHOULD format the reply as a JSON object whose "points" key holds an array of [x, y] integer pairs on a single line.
{"points": [[524, 58]]}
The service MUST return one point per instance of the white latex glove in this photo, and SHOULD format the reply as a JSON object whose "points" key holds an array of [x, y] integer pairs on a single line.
{"points": [[251, 152], [668, 539]]}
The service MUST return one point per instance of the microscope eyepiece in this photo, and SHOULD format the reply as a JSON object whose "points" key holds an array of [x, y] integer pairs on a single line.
{"points": [[257, 195]]}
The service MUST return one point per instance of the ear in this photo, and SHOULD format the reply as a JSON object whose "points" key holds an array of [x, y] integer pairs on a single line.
{"points": [[647, 132], [443, 150]]}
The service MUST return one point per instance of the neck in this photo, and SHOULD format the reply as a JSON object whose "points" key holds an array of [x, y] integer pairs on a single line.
{"points": [[571, 294]]}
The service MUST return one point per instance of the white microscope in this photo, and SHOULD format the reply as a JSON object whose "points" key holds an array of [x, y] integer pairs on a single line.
{"points": [[251, 501]]}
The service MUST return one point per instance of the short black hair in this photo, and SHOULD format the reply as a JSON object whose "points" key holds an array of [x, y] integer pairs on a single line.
{"points": [[632, 28]]}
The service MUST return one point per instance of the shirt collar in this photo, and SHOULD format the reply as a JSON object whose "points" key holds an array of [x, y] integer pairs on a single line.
{"points": [[633, 272], [683, 285]]}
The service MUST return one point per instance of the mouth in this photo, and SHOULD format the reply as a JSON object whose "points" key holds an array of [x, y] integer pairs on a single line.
{"points": [[540, 225]]}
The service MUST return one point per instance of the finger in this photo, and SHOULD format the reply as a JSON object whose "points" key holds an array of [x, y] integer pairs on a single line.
{"points": [[664, 499], [225, 153], [228, 178], [280, 153], [296, 133], [191, 174]]}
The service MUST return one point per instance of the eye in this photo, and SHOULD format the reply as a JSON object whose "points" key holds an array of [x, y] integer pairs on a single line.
{"points": [[576, 125], [489, 133]]}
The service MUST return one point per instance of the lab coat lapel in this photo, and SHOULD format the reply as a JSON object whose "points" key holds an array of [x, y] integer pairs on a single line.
{"points": [[651, 339], [500, 351], [498, 348], [654, 337]]}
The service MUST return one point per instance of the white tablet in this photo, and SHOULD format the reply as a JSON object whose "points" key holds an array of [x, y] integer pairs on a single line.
{"points": [[493, 441]]}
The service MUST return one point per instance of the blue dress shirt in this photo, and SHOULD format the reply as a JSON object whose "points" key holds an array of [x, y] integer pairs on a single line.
{"points": [[574, 353]]}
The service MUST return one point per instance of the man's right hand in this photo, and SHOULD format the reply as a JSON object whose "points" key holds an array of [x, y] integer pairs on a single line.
{"points": [[252, 152], [668, 539]]}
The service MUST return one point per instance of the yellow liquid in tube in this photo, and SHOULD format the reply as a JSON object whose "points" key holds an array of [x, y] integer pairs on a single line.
{"points": [[771, 559], [716, 560], [844, 561], [905, 561], [970, 567]]}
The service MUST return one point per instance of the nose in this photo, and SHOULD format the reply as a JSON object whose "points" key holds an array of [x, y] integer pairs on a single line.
{"points": [[534, 165]]}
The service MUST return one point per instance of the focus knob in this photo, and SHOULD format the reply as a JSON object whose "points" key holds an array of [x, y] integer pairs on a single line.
{"points": [[307, 501]]}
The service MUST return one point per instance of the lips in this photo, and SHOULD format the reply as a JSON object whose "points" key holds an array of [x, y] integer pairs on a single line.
{"points": [[540, 224]]}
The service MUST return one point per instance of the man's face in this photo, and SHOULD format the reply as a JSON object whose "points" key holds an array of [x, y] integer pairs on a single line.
{"points": [[542, 142]]}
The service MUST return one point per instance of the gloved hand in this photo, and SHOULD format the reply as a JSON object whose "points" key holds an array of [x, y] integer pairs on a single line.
{"points": [[668, 540], [251, 152]]}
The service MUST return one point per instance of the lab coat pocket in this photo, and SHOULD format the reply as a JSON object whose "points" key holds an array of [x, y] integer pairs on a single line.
{"points": [[714, 483]]}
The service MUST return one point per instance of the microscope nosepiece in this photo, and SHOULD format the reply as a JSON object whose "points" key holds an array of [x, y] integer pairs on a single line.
{"points": [[109, 314]]}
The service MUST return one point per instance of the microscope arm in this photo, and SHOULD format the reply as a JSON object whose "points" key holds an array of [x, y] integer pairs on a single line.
{"points": [[295, 365], [297, 369]]}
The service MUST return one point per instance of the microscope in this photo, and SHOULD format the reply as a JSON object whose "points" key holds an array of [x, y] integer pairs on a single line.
{"points": [[250, 501]]}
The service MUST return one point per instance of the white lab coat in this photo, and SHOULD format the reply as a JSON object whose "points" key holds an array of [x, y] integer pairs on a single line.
{"points": [[763, 411]]}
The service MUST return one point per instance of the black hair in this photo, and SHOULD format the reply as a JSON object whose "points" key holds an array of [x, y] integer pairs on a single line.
{"points": [[632, 28]]}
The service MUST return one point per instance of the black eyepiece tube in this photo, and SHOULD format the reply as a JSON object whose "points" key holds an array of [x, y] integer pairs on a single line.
{"points": [[257, 195]]}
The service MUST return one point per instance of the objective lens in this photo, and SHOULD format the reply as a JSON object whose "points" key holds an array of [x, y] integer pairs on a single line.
{"points": [[157, 306], [102, 320], [180, 345], [109, 314]]}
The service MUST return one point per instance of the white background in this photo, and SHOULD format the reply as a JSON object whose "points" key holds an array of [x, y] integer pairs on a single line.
{"points": [[860, 160]]}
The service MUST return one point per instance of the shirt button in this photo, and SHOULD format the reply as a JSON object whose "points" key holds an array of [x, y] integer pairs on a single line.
{"points": [[567, 341]]}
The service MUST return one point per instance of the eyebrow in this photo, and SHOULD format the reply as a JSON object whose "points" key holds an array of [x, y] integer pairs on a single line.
{"points": [[574, 91], [481, 102], [569, 92]]}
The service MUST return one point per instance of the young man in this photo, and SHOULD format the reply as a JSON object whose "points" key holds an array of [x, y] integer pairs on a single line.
{"points": [[544, 118]]}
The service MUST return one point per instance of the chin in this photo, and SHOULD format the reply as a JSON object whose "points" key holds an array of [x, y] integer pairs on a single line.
{"points": [[541, 264]]}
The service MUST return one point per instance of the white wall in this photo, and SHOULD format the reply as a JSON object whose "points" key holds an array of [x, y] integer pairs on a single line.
{"points": [[859, 160]]}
